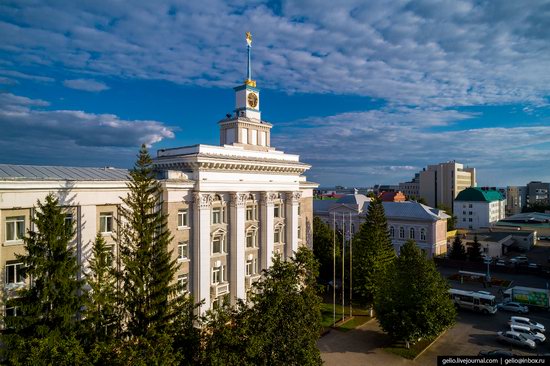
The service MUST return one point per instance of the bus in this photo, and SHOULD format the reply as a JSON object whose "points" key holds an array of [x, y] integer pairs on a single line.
{"points": [[481, 301]]}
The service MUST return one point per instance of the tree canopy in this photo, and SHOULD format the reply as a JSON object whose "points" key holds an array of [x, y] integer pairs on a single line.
{"points": [[414, 303]]}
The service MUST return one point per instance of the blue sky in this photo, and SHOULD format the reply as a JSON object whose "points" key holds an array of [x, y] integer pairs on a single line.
{"points": [[366, 92]]}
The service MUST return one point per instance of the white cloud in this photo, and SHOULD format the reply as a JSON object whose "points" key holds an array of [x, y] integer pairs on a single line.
{"points": [[31, 132], [86, 85], [448, 53], [390, 145]]}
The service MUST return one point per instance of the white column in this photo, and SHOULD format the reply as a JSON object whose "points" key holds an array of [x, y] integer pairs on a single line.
{"points": [[88, 231], [291, 215], [201, 249], [267, 222], [237, 245]]}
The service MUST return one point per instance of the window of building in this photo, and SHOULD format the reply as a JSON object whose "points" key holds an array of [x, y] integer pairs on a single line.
{"points": [[106, 222], [183, 284], [183, 218], [470, 219], [218, 244], [464, 212], [249, 213], [183, 248], [217, 215], [392, 231], [15, 228], [251, 238], [411, 233], [299, 232], [218, 274], [15, 273], [278, 210], [69, 222], [469, 212], [277, 235], [470, 205], [422, 234], [251, 266], [245, 135], [11, 311], [402, 232], [299, 209], [111, 254]]}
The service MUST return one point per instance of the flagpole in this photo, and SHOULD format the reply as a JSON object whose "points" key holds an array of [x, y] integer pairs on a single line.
{"points": [[334, 268], [343, 265], [350, 266]]}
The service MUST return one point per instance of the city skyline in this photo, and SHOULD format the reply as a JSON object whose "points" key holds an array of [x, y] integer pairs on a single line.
{"points": [[372, 92]]}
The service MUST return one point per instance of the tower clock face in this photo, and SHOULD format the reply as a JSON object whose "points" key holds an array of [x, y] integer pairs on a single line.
{"points": [[252, 100]]}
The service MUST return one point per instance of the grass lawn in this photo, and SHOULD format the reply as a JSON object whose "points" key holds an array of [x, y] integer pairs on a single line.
{"points": [[411, 353], [360, 316]]}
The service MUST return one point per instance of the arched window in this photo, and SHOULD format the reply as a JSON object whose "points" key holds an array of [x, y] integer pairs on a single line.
{"points": [[392, 231], [422, 234], [402, 232], [411, 233]]}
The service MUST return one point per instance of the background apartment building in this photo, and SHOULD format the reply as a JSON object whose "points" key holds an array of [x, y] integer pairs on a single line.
{"points": [[516, 199], [476, 208], [439, 184]]}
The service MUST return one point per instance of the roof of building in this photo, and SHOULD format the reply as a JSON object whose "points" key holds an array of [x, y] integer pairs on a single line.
{"points": [[392, 196], [413, 210], [529, 217], [13, 172], [477, 194], [354, 199]]}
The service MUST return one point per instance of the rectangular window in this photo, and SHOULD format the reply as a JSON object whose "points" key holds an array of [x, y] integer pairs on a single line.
{"points": [[183, 247], [111, 254], [216, 215], [277, 236], [216, 275], [300, 232], [299, 209], [15, 228], [470, 205], [251, 239], [11, 311], [106, 222], [69, 222], [249, 267], [218, 245], [469, 212], [470, 219], [244, 138], [183, 218], [278, 210], [250, 213], [263, 138], [15, 273], [254, 137], [183, 284]]}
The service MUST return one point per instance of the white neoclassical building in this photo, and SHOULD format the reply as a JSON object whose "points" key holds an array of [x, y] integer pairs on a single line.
{"points": [[230, 208]]}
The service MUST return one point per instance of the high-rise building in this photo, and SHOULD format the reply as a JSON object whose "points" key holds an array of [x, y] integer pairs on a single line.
{"points": [[538, 193], [230, 208], [439, 184], [516, 199]]}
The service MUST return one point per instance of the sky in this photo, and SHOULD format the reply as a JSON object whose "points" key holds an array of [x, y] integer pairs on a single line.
{"points": [[366, 92]]}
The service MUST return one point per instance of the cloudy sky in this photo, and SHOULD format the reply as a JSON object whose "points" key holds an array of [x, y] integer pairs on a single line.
{"points": [[366, 92]]}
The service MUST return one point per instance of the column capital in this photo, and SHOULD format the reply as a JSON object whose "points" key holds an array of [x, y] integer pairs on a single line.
{"points": [[294, 196], [238, 199], [269, 197], [203, 200]]}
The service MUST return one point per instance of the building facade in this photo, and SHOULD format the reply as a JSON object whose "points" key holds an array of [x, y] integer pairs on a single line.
{"points": [[406, 220], [230, 208], [516, 199], [477, 208], [538, 193], [439, 184]]}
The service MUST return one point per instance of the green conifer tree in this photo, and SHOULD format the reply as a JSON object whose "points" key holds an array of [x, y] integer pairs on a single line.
{"points": [[457, 251], [474, 251], [414, 303], [372, 253], [148, 286], [102, 311], [49, 308], [323, 248]]}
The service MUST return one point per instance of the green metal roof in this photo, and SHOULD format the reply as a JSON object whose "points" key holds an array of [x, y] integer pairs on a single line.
{"points": [[478, 194]]}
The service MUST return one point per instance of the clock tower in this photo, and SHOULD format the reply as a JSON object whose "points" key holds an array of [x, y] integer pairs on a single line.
{"points": [[245, 128]]}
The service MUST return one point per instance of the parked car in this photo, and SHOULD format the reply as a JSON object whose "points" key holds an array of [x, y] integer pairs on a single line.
{"points": [[496, 353], [519, 320], [533, 265], [501, 262], [516, 339], [537, 337], [513, 306], [520, 259]]}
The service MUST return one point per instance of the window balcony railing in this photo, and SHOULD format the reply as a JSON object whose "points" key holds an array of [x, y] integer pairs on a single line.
{"points": [[220, 289]]}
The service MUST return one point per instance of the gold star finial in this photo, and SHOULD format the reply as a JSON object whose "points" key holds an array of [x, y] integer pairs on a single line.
{"points": [[249, 38]]}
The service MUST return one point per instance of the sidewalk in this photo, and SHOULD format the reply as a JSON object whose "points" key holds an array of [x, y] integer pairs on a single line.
{"points": [[361, 346]]}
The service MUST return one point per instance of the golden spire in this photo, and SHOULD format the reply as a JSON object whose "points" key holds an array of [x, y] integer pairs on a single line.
{"points": [[249, 80]]}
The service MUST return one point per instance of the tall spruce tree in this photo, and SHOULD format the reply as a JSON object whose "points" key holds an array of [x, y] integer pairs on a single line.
{"points": [[457, 251], [414, 303], [474, 251], [49, 309], [148, 285], [102, 311], [372, 253]]}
